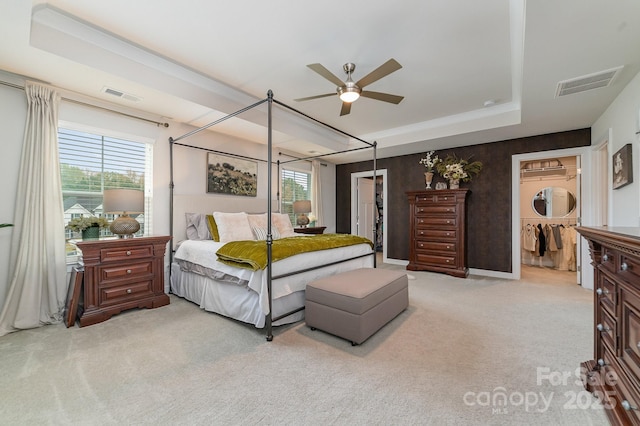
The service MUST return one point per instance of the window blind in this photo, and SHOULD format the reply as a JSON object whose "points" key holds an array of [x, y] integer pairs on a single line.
{"points": [[295, 186]]}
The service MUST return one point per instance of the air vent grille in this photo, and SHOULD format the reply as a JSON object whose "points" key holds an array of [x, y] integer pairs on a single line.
{"points": [[587, 82], [122, 95]]}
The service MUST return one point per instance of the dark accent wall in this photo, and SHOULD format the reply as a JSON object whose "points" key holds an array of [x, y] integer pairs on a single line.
{"points": [[489, 206]]}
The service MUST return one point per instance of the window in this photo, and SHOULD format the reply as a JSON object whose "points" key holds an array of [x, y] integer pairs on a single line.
{"points": [[295, 186], [91, 163]]}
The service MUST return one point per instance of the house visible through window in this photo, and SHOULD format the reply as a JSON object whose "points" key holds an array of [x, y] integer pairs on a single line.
{"points": [[91, 163], [295, 186]]}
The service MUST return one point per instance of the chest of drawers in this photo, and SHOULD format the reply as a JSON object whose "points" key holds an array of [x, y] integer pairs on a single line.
{"points": [[121, 274], [437, 227], [614, 373]]}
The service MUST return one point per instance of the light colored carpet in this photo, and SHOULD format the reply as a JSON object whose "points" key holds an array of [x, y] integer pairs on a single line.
{"points": [[445, 361]]}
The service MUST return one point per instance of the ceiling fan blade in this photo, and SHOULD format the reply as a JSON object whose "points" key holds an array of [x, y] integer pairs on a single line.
{"points": [[386, 97], [346, 108], [315, 97], [326, 74], [383, 70]]}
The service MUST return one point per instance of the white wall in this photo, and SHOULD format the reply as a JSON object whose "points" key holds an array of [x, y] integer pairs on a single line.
{"points": [[622, 117]]}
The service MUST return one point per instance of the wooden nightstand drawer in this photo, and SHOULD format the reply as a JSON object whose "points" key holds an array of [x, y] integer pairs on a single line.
{"points": [[130, 270], [125, 253], [120, 293]]}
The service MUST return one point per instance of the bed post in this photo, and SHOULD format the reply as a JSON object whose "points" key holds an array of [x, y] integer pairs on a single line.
{"points": [[268, 325], [375, 203], [170, 206]]}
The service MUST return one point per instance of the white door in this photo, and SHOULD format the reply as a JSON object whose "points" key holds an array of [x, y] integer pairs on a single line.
{"points": [[365, 215]]}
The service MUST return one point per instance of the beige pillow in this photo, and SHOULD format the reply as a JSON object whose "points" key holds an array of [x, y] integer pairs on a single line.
{"points": [[233, 227], [283, 223], [257, 220]]}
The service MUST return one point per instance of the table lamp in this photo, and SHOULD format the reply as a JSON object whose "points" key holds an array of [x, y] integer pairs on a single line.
{"points": [[301, 208], [122, 202]]}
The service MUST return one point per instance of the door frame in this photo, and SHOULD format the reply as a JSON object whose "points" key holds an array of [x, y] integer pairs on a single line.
{"points": [[585, 171], [385, 210]]}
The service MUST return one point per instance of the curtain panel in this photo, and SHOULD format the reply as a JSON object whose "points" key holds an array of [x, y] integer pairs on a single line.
{"points": [[37, 275], [316, 192]]}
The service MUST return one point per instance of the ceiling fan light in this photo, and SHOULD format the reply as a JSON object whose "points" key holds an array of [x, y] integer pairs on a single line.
{"points": [[349, 94]]}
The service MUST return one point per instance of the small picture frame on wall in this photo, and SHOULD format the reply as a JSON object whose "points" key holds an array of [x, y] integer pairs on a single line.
{"points": [[231, 176], [622, 167]]}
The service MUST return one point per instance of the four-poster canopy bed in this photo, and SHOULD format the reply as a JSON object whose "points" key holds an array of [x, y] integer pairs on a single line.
{"points": [[209, 266]]}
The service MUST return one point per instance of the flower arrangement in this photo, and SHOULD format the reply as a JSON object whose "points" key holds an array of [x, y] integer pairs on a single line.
{"points": [[430, 161], [81, 223], [453, 168]]}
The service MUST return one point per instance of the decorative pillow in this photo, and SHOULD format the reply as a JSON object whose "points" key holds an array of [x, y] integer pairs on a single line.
{"points": [[261, 233], [213, 228], [197, 227], [283, 223], [257, 220], [233, 227]]}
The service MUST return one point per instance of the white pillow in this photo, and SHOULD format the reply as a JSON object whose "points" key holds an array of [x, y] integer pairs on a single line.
{"points": [[233, 226], [257, 220], [283, 223]]}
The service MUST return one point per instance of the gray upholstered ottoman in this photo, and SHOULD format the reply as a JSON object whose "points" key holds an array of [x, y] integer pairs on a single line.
{"points": [[355, 304]]}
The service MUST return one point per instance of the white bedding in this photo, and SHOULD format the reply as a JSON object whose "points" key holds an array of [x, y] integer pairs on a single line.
{"points": [[202, 253]]}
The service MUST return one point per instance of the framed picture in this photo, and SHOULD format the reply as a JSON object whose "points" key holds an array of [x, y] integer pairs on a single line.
{"points": [[231, 175], [622, 167], [74, 293]]}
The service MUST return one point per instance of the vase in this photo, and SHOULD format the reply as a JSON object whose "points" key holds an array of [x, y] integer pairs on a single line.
{"points": [[92, 233], [454, 183], [428, 178]]}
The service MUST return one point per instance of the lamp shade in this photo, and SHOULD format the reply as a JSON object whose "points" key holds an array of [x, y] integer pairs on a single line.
{"points": [[302, 206], [120, 201]]}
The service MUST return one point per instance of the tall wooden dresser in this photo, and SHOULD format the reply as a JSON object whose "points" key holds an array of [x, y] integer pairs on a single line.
{"points": [[614, 374], [121, 274], [437, 226]]}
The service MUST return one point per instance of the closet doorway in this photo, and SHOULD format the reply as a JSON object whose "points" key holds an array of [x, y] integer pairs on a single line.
{"points": [[367, 210], [546, 209]]}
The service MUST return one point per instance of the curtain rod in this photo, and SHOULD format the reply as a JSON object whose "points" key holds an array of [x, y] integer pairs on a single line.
{"points": [[157, 123]]}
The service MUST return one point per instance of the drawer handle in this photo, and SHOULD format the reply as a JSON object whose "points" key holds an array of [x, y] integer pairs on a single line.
{"points": [[448, 222], [128, 291], [601, 327], [448, 247], [600, 292], [627, 406], [128, 271], [624, 266], [601, 362], [605, 258], [128, 252]]}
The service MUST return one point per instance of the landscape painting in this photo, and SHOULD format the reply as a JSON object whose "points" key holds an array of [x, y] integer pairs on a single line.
{"points": [[231, 175]]}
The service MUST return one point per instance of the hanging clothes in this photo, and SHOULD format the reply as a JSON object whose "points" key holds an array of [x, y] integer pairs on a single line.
{"points": [[541, 245], [529, 237]]}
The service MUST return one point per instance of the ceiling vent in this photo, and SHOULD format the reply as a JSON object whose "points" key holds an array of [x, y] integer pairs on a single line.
{"points": [[587, 82], [119, 94]]}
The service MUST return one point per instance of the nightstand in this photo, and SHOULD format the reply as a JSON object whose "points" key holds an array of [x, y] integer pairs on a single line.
{"points": [[310, 230], [121, 274]]}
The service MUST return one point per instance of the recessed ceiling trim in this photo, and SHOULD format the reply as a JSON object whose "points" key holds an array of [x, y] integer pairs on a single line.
{"points": [[587, 82]]}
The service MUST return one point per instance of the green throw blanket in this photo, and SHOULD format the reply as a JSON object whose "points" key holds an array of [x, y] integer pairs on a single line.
{"points": [[253, 254]]}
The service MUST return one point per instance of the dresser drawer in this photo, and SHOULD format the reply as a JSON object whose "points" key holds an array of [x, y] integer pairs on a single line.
{"points": [[606, 328], [630, 330], [606, 294], [436, 209], [608, 259], [436, 259], [629, 269], [435, 198], [113, 254], [435, 246], [435, 222], [436, 234], [111, 295], [126, 271]]}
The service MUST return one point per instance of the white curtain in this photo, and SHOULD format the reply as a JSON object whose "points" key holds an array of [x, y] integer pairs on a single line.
{"points": [[316, 192], [37, 276]]}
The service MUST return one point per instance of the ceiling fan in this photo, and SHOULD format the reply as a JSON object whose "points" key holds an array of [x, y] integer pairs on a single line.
{"points": [[350, 91]]}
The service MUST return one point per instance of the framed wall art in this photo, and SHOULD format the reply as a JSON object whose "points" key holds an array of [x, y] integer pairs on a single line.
{"points": [[231, 176], [622, 167]]}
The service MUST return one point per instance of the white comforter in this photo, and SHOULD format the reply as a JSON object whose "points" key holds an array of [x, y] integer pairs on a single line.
{"points": [[203, 253]]}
